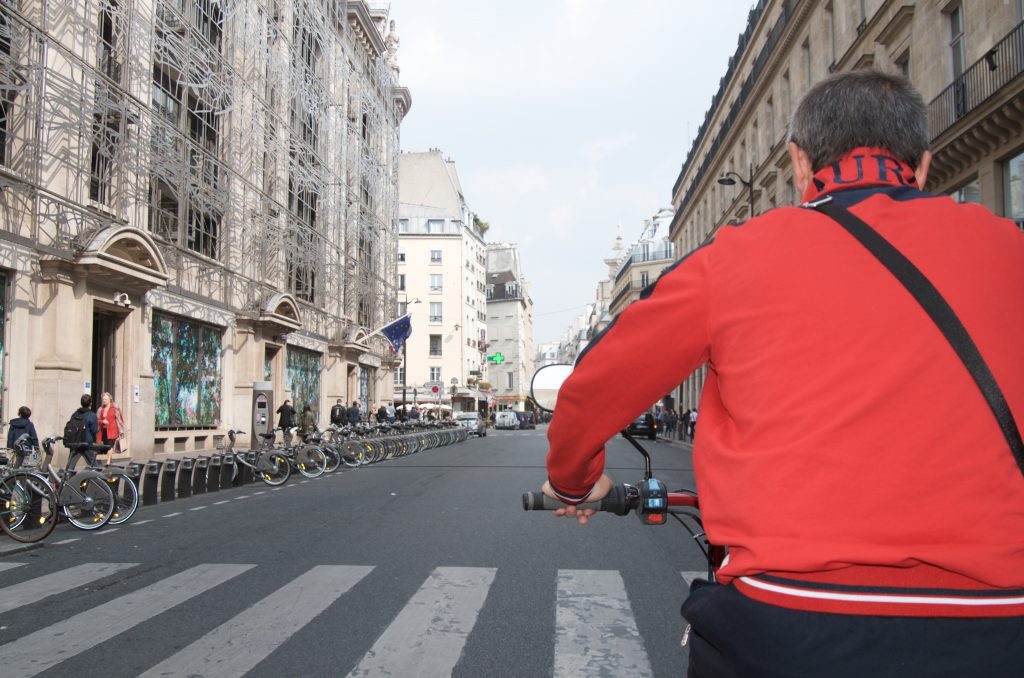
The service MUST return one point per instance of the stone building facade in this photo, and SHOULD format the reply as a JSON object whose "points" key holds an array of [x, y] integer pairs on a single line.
{"points": [[965, 57], [510, 345], [197, 195], [442, 259]]}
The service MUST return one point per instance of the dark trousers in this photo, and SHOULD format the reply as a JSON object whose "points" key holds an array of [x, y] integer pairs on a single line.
{"points": [[733, 635]]}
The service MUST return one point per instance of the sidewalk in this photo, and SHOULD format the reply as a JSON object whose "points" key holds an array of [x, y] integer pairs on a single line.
{"points": [[684, 444]]}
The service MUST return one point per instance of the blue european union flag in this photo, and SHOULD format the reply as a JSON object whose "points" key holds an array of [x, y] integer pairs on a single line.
{"points": [[397, 332]]}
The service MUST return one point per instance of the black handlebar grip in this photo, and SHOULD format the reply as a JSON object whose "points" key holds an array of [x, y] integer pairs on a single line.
{"points": [[615, 502]]}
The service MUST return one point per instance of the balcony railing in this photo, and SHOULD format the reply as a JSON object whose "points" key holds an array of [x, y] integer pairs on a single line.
{"points": [[985, 77], [628, 289], [662, 251]]}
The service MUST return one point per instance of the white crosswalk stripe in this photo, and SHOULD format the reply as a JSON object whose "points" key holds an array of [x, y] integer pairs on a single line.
{"points": [[595, 632], [427, 636], [32, 590], [239, 644], [36, 652]]}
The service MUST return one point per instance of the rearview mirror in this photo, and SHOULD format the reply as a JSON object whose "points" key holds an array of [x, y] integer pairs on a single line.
{"points": [[546, 382]]}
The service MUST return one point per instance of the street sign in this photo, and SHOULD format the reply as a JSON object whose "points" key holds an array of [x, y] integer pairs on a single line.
{"points": [[497, 358]]}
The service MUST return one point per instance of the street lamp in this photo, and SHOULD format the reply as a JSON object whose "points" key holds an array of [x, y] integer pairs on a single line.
{"points": [[405, 361], [727, 180]]}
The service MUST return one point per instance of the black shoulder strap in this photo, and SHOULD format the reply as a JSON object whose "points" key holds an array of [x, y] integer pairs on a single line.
{"points": [[939, 310]]}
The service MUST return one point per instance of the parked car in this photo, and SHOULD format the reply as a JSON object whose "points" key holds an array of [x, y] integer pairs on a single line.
{"points": [[644, 425], [473, 421], [506, 419]]}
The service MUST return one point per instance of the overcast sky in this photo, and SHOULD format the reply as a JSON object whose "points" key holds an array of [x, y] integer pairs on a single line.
{"points": [[565, 118]]}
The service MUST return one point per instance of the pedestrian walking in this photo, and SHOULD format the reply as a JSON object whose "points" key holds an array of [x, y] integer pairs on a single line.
{"points": [[338, 414], [286, 420], [20, 426], [111, 425]]}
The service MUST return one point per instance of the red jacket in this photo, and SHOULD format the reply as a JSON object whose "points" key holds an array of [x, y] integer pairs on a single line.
{"points": [[845, 456]]}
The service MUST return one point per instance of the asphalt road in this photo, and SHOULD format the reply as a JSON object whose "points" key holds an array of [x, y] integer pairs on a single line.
{"points": [[422, 566]]}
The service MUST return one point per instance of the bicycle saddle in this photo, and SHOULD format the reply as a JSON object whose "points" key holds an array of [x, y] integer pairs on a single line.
{"points": [[268, 436]]}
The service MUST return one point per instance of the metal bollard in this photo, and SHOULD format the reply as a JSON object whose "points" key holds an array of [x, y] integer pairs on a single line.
{"points": [[199, 475], [227, 471], [185, 477], [150, 482], [167, 480], [213, 473]]}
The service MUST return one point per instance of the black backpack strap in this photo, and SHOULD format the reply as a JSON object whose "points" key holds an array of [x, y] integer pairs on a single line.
{"points": [[940, 312]]}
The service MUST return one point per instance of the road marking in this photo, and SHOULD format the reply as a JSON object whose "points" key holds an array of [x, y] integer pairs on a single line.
{"points": [[218, 503], [689, 576], [198, 508], [244, 496], [66, 541], [427, 636], [236, 646], [595, 633], [261, 492], [37, 652], [275, 489], [109, 530], [32, 590], [303, 481], [11, 566], [141, 522], [284, 486], [171, 515]]}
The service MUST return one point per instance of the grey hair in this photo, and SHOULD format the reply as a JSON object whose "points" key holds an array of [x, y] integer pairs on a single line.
{"points": [[860, 108]]}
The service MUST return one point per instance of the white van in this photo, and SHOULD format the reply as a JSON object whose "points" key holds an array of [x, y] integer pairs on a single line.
{"points": [[506, 419]]}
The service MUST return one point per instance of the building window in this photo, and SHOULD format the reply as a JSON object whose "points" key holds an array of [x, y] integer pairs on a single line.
{"points": [[210, 21], [511, 379], [957, 48], [805, 60], [303, 370], [903, 64], [645, 279], [969, 192], [8, 81], [435, 345], [401, 282], [399, 376], [186, 362], [435, 374], [435, 311], [105, 136], [107, 57], [489, 291], [302, 250], [436, 282], [401, 308], [1013, 189], [435, 225], [435, 256], [403, 225], [769, 122], [830, 27], [3, 334], [401, 257]]}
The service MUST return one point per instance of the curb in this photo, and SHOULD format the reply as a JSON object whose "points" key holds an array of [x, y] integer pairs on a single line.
{"points": [[676, 443], [15, 547]]}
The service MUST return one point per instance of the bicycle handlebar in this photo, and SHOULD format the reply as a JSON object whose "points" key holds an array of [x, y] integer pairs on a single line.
{"points": [[619, 501]]}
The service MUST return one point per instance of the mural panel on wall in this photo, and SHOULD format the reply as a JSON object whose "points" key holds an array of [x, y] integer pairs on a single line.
{"points": [[304, 377], [186, 372]]}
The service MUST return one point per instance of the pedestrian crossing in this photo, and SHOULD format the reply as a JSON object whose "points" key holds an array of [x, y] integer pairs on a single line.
{"points": [[595, 629]]}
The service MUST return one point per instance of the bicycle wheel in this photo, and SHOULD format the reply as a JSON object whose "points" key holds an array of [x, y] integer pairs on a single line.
{"points": [[94, 508], [351, 454], [126, 494], [274, 469], [333, 458], [311, 461], [28, 507]]}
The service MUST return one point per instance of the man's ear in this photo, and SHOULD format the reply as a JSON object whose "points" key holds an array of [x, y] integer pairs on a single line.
{"points": [[803, 171], [921, 173]]}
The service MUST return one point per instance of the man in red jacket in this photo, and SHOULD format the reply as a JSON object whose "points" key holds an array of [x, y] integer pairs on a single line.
{"points": [[867, 535]]}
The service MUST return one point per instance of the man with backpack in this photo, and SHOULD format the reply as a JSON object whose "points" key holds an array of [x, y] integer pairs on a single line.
{"points": [[82, 428], [338, 414]]}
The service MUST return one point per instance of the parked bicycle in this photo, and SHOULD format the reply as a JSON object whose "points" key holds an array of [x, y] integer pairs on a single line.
{"points": [[28, 505], [270, 465], [122, 486]]}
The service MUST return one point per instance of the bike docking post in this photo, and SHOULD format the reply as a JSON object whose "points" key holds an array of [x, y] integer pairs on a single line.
{"points": [[167, 480], [150, 482], [245, 472], [213, 473], [134, 471], [199, 475], [185, 467], [227, 471]]}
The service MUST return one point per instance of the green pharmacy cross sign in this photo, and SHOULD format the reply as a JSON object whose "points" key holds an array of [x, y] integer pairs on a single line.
{"points": [[497, 358]]}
